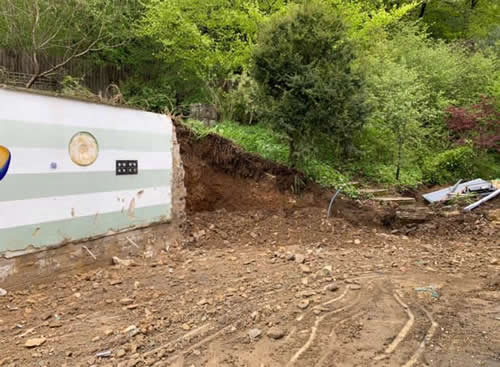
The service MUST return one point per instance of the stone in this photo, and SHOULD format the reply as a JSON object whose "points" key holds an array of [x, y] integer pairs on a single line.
{"points": [[332, 287], [120, 353], [290, 256], [126, 301], [327, 270], [35, 342], [55, 324], [306, 293], [104, 354], [305, 269], [276, 333], [355, 287], [254, 333], [202, 302], [303, 304], [132, 330], [121, 262], [357, 242], [494, 261], [299, 258], [3, 292]]}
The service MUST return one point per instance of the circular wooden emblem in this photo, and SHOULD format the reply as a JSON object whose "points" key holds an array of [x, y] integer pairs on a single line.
{"points": [[83, 149]]}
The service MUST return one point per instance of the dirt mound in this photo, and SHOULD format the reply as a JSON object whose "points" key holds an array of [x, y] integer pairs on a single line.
{"points": [[220, 175]]}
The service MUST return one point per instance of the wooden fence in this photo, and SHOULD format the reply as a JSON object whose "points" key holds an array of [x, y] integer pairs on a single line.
{"points": [[16, 68]]}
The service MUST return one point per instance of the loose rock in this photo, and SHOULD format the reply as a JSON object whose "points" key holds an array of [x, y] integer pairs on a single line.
{"points": [[35, 342], [121, 262], [299, 258], [126, 301], [3, 292], [132, 330], [276, 333], [332, 287], [254, 333], [305, 269], [303, 304]]}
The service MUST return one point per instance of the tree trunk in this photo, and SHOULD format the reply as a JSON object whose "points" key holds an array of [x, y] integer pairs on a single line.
{"points": [[36, 74], [422, 10], [32, 81], [398, 166], [292, 158]]}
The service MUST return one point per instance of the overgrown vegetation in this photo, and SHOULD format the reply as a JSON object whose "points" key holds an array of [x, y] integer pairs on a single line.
{"points": [[267, 143], [400, 92]]}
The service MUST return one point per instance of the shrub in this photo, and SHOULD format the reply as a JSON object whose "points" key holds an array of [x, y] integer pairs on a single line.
{"points": [[480, 124], [303, 63], [451, 166]]}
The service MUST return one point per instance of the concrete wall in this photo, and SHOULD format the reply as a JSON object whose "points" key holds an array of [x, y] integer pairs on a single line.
{"points": [[46, 199]]}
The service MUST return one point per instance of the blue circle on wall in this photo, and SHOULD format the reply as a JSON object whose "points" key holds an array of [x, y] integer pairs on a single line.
{"points": [[4, 161]]}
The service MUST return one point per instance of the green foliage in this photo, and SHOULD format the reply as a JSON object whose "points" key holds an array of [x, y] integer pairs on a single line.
{"points": [[241, 101], [154, 98], [450, 166], [303, 64], [202, 42], [73, 87], [472, 19], [411, 80]]}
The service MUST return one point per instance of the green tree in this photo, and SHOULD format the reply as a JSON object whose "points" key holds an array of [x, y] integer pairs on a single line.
{"points": [[303, 63], [460, 19], [399, 98], [69, 29], [202, 43]]}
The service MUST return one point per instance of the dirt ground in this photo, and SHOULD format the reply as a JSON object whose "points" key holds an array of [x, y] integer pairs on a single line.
{"points": [[263, 278]]}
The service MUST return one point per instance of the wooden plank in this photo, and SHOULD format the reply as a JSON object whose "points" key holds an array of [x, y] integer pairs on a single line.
{"points": [[395, 199]]}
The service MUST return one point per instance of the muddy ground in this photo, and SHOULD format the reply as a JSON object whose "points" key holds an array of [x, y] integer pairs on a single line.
{"points": [[263, 278]]}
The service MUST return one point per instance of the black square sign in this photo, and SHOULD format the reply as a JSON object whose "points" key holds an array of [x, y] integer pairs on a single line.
{"points": [[126, 168]]}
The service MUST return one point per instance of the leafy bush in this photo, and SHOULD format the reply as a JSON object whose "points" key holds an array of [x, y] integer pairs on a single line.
{"points": [[241, 101], [73, 87], [152, 97], [451, 166], [479, 124]]}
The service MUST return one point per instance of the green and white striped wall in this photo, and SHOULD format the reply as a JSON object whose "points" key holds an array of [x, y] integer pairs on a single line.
{"points": [[46, 199]]}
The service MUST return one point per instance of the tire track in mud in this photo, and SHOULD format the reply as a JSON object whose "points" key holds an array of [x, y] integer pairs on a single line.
{"points": [[401, 335], [315, 329], [428, 337], [317, 348], [218, 334]]}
